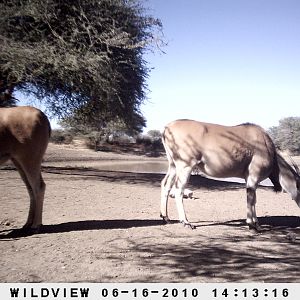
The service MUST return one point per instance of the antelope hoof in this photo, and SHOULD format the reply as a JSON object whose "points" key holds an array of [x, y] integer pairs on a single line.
{"points": [[28, 229], [187, 224], [166, 220], [256, 227]]}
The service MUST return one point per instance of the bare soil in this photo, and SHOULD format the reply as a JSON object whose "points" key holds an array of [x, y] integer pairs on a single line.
{"points": [[104, 226]]}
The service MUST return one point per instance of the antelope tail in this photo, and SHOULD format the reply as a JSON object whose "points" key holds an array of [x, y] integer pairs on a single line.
{"points": [[274, 176]]}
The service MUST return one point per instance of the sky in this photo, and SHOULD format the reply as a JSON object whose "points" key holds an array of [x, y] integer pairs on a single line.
{"points": [[226, 62]]}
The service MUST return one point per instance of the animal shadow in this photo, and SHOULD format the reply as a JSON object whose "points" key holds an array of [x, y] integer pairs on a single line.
{"points": [[81, 226], [288, 222]]}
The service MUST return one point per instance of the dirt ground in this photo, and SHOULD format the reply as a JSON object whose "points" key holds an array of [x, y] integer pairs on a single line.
{"points": [[104, 226]]}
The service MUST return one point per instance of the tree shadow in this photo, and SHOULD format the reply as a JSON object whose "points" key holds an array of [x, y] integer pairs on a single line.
{"points": [[150, 149], [236, 256], [149, 179], [227, 259]]}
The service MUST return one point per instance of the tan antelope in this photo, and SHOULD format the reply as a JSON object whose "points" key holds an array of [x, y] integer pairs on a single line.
{"points": [[24, 135], [245, 151]]}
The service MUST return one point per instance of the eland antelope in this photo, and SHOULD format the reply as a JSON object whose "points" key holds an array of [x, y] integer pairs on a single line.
{"points": [[245, 151], [24, 135]]}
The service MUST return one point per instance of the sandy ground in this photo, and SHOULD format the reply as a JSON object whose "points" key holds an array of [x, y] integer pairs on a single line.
{"points": [[104, 226]]}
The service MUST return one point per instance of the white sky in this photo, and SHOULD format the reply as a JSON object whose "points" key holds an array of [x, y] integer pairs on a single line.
{"points": [[226, 62]]}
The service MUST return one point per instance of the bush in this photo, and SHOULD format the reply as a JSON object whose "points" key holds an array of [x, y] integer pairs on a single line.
{"points": [[154, 134], [61, 137], [286, 136], [93, 139], [143, 140], [120, 138], [151, 141]]}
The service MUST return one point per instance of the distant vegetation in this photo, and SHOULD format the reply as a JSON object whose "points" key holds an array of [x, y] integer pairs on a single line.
{"points": [[286, 136], [116, 141]]}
